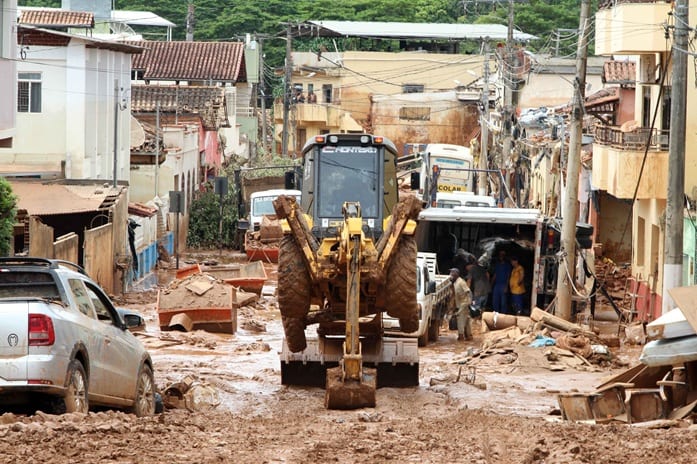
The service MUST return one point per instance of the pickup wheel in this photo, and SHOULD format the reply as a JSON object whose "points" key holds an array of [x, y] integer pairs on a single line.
{"points": [[75, 399], [433, 330], [293, 281], [424, 338], [400, 285], [144, 404]]}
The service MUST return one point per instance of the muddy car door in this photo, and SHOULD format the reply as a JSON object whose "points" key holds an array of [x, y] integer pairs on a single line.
{"points": [[120, 354]]}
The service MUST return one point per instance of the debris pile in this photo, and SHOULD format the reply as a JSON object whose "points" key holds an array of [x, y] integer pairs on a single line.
{"points": [[660, 392]]}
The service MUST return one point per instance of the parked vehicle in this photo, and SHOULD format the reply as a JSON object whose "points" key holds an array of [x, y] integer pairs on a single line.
{"points": [[63, 344], [434, 294]]}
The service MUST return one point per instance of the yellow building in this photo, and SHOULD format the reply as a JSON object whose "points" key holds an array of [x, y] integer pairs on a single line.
{"points": [[348, 85], [636, 29]]}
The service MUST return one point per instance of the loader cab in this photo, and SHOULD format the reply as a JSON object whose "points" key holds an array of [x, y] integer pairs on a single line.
{"points": [[348, 167]]}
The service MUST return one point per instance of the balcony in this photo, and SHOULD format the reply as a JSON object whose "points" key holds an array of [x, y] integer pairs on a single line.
{"points": [[617, 159], [630, 27], [309, 114]]}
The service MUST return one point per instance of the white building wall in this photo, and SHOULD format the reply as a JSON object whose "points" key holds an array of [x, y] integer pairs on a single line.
{"points": [[75, 127], [8, 68]]}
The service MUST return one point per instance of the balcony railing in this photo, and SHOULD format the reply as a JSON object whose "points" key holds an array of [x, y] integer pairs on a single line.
{"points": [[634, 140]]}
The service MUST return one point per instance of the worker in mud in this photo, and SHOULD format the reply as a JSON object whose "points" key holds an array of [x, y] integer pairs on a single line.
{"points": [[500, 277], [463, 300]]}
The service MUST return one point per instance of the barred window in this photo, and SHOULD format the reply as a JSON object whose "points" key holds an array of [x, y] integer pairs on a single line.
{"points": [[29, 92]]}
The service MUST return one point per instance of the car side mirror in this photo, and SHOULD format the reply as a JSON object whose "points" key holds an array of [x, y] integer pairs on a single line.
{"points": [[134, 322], [431, 287]]}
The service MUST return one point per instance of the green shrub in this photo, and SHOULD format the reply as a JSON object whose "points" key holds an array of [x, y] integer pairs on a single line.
{"points": [[8, 214]]}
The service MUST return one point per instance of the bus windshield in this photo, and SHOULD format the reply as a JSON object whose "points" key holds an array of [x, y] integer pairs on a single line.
{"points": [[348, 173], [451, 178]]}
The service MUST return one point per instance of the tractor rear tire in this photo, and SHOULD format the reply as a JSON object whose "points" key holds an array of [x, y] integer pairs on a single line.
{"points": [[400, 286], [293, 280], [294, 329]]}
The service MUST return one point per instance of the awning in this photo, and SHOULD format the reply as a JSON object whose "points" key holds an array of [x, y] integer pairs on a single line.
{"points": [[40, 199]]}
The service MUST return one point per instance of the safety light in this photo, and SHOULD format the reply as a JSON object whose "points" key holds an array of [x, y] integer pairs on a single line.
{"points": [[378, 139], [333, 139], [319, 139], [365, 139]]}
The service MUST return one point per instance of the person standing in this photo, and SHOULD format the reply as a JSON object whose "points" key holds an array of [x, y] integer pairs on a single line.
{"points": [[463, 299], [478, 282], [501, 276], [516, 284]]}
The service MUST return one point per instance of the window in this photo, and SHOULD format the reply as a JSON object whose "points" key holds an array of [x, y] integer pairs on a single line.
{"points": [[29, 92], [327, 93], [412, 88], [84, 303], [101, 308], [415, 113]]}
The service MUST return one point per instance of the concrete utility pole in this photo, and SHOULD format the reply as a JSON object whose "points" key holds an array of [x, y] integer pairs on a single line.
{"points": [[484, 150], [566, 271], [672, 264], [287, 92], [507, 75], [262, 90], [116, 130], [190, 22]]}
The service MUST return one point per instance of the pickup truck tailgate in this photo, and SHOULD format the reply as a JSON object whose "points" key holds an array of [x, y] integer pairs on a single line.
{"points": [[14, 348]]}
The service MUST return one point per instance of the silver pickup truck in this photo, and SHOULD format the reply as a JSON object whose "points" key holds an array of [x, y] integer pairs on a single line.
{"points": [[63, 344]]}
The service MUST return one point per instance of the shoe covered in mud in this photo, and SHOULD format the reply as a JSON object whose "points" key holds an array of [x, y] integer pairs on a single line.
{"points": [[460, 337]]}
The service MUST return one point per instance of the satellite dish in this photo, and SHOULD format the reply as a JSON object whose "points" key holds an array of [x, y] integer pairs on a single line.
{"points": [[629, 126]]}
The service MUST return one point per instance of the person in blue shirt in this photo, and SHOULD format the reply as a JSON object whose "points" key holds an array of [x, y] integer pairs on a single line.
{"points": [[500, 277]]}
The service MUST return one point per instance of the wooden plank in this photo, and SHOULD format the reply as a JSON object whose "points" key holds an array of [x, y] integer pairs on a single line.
{"points": [[551, 320], [686, 299]]}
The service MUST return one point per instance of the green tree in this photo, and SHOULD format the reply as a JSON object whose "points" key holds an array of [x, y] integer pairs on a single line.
{"points": [[8, 213]]}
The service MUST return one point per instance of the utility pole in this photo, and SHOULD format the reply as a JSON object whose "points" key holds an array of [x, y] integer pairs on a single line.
{"points": [[287, 92], [672, 264], [116, 130], [507, 75], [566, 270], [484, 149], [262, 90], [157, 149], [190, 22]]}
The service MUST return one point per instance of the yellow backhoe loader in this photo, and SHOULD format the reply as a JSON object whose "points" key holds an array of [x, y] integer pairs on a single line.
{"points": [[348, 256]]}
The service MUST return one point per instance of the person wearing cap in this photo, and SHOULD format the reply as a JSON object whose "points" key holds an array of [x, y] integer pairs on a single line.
{"points": [[463, 299]]}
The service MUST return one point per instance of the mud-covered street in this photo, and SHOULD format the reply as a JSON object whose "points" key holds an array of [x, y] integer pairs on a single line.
{"points": [[503, 411]]}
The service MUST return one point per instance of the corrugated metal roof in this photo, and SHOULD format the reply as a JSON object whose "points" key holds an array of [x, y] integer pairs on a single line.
{"points": [[208, 102], [56, 18], [191, 61], [413, 30], [46, 199]]}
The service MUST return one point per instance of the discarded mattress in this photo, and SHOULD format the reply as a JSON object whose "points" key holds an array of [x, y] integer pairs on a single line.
{"points": [[670, 325], [669, 352]]}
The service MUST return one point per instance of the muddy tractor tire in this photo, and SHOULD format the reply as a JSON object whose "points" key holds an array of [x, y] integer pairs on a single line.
{"points": [[293, 280], [400, 286], [294, 329]]}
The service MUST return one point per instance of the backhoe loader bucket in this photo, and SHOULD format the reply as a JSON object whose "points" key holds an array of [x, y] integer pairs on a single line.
{"points": [[350, 394]]}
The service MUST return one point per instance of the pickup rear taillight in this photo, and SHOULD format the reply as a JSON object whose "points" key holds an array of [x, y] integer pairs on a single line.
{"points": [[41, 331]]}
